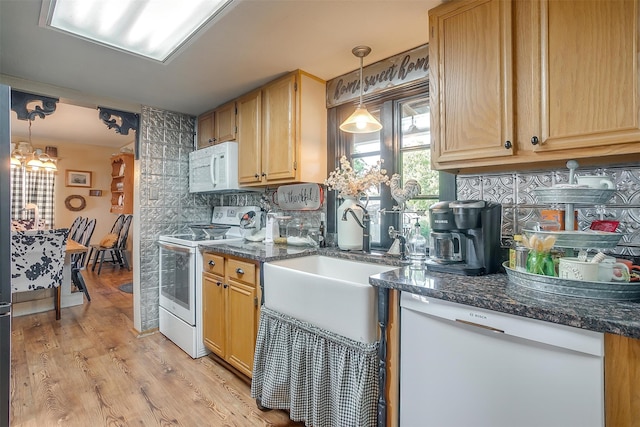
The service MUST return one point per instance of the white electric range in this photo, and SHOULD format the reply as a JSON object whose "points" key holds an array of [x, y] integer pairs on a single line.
{"points": [[180, 276]]}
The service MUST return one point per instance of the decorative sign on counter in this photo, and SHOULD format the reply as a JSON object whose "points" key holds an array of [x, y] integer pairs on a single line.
{"points": [[300, 197]]}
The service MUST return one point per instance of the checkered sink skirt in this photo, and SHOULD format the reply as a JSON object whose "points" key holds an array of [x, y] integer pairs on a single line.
{"points": [[323, 379]]}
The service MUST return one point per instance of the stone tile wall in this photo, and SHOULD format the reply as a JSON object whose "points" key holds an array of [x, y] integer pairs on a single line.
{"points": [[519, 205]]}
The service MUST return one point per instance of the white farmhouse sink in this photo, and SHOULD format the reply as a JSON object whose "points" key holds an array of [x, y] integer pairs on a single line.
{"points": [[331, 293]]}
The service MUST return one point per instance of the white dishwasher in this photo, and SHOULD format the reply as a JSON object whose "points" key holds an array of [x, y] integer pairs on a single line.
{"points": [[464, 366]]}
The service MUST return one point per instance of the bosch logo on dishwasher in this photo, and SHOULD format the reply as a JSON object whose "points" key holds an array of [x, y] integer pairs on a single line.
{"points": [[477, 315]]}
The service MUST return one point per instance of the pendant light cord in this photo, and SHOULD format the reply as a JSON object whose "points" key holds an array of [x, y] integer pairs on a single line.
{"points": [[361, 81]]}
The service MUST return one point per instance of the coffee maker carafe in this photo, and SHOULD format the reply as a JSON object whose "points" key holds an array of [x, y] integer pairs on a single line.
{"points": [[465, 237]]}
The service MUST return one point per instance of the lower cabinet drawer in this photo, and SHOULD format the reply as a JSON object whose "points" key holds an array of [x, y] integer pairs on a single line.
{"points": [[213, 264], [242, 271]]}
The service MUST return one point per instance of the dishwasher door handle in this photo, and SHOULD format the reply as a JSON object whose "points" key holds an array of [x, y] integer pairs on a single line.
{"points": [[478, 325]]}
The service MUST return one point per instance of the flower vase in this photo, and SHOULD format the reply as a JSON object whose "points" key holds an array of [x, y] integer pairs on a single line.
{"points": [[349, 232]]}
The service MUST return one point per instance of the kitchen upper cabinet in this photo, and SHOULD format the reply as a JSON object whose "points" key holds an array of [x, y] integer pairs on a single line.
{"points": [[279, 129], [217, 126], [565, 85], [205, 130], [224, 123], [230, 309], [249, 137], [282, 132], [470, 81], [589, 75]]}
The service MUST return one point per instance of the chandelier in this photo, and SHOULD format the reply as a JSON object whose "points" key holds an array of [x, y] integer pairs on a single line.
{"points": [[24, 155]]}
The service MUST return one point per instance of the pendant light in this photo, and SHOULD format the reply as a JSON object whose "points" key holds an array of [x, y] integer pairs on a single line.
{"points": [[361, 121]]}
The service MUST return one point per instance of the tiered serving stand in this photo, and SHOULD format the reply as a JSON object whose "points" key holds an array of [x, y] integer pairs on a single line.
{"points": [[571, 239]]}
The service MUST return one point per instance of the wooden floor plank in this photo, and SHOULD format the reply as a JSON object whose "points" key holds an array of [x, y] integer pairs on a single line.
{"points": [[90, 368]]}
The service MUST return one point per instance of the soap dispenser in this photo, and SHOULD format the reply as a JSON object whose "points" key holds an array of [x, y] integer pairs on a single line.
{"points": [[417, 247]]}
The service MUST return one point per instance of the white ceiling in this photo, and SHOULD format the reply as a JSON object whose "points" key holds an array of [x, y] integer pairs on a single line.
{"points": [[254, 42]]}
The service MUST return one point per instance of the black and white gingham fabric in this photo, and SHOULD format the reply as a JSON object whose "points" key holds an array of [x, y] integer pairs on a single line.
{"points": [[40, 189], [323, 379]]}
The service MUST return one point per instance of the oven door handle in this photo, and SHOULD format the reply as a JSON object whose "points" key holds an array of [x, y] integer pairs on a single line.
{"points": [[174, 247]]}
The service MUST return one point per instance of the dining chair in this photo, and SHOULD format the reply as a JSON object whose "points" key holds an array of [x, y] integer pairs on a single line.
{"points": [[78, 260], [79, 229], [115, 230], [74, 227], [117, 252], [37, 260]]}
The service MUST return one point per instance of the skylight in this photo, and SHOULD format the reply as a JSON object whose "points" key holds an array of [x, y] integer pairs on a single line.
{"points": [[151, 28]]}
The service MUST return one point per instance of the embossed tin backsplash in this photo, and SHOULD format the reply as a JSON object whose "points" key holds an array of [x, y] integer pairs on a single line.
{"points": [[519, 205]]}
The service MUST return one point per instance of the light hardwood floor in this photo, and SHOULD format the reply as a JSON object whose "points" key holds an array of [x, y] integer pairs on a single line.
{"points": [[91, 368]]}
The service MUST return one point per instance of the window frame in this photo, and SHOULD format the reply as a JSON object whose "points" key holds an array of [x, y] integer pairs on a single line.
{"points": [[340, 143]]}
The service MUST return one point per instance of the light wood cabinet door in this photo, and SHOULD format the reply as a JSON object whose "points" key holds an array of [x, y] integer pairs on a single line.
{"points": [[282, 132], [589, 76], [250, 138], [471, 81], [205, 130], [621, 381], [225, 123], [241, 325], [279, 127], [213, 316], [566, 85]]}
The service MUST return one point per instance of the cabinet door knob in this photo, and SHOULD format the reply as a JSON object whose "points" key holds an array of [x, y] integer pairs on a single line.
{"points": [[212, 263], [218, 283], [264, 174], [256, 176], [239, 270], [225, 286], [508, 145], [211, 140], [534, 140]]}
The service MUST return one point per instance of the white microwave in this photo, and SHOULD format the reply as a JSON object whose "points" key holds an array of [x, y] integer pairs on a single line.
{"points": [[214, 168]]}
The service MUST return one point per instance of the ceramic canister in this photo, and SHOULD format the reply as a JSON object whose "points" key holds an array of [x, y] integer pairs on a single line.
{"points": [[571, 268]]}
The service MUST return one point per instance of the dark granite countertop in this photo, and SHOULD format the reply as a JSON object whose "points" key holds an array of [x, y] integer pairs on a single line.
{"points": [[265, 252], [491, 292], [259, 251], [495, 292]]}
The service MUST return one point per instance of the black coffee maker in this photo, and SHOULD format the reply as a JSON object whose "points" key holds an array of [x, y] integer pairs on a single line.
{"points": [[465, 237]]}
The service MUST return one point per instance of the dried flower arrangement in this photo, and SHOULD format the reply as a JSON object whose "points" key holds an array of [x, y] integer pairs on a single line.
{"points": [[347, 182]]}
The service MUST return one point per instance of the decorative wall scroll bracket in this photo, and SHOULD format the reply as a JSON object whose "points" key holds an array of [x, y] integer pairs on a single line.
{"points": [[128, 121], [20, 101]]}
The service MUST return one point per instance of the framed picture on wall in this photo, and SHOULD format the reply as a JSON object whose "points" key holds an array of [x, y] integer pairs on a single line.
{"points": [[78, 178]]}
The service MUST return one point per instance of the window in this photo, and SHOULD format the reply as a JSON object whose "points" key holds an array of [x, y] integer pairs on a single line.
{"points": [[38, 189], [403, 145], [414, 160]]}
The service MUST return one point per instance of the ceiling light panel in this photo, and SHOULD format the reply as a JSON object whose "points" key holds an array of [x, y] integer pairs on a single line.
{"points": [[151, 28]]}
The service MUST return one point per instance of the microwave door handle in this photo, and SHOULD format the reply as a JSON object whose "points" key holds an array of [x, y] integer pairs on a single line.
{"points": [[214, 168]]}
